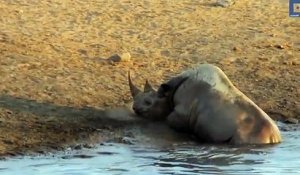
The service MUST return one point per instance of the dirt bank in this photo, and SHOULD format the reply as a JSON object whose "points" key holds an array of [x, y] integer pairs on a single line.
{"points": [[55, 85]]}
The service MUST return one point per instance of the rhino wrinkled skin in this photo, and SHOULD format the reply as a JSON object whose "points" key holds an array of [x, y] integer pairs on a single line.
{"points": [[203, 101]]}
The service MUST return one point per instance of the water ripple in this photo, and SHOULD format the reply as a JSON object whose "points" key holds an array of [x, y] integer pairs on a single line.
{"points": [[185, 158]]}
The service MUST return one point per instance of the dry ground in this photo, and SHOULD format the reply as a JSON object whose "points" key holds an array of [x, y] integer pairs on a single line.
{"points": [[54, 83]]}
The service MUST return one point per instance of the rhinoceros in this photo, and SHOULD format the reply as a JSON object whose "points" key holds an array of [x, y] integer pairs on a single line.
{"points": [[204, 102]]}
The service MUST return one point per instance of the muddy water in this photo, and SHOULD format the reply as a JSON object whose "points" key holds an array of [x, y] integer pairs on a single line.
{"points": [[143, 156]]}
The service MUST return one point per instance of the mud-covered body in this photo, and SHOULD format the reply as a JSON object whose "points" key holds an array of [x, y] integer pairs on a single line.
{"points": [[205, 103]]}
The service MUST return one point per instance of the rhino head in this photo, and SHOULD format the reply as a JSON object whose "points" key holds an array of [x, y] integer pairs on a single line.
{"points": [[149, 104]]}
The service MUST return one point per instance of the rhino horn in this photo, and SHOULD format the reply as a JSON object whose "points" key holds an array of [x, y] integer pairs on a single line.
{"points": [[133, 89], [148, 87]]}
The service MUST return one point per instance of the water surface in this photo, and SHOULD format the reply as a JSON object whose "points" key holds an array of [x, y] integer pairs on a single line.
{"points": [[173, 158]]}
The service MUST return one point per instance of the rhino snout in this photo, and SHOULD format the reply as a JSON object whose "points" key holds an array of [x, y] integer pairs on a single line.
{"points": [[137, 110]]}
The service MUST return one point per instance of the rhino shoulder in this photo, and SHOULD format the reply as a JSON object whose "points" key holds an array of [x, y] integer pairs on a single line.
{"points": [[169, 88]]}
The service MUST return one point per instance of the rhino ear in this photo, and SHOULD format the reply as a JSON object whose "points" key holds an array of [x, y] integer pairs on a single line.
{"points": [[148, 87]]}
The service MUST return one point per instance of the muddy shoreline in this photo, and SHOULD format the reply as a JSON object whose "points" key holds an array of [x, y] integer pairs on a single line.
{"points": [[56, 87]]}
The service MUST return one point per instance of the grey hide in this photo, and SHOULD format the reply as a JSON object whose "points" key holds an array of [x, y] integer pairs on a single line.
{"points": [[204, 102]]}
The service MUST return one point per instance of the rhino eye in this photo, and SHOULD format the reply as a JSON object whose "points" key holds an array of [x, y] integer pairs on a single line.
{"points": [[148, 102]]}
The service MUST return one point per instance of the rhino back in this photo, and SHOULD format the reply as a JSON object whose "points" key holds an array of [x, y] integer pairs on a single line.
{"points": [[199, 81], [209, 112], [218, 111], [213, 76]]}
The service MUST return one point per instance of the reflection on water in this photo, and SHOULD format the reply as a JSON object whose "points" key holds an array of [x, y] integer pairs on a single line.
{"points": [[175, 158]]}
